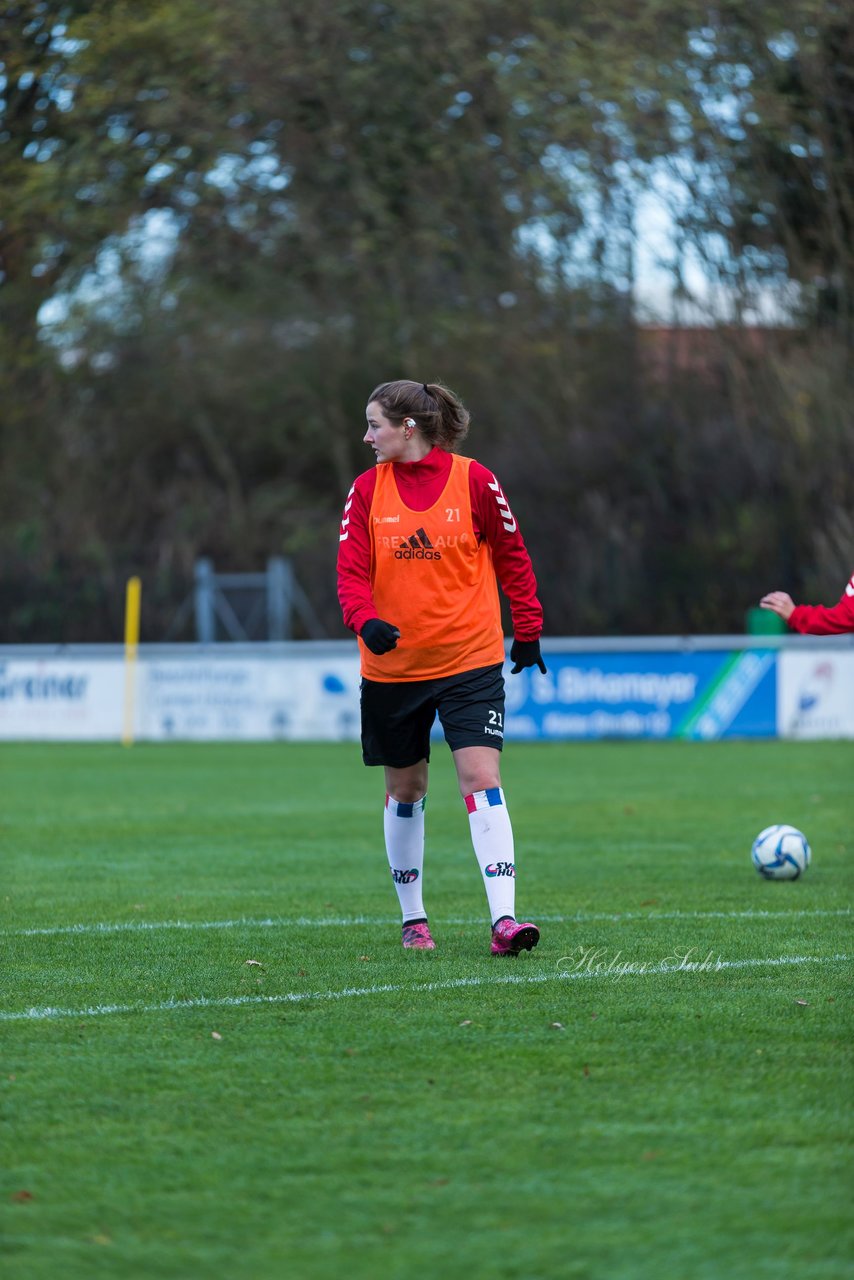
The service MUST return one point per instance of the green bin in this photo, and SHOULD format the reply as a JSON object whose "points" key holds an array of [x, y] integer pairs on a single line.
{"points": [[763, 622]]}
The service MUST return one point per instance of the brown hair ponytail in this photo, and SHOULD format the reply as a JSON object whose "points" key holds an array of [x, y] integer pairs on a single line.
{"points": [[439, 415]]}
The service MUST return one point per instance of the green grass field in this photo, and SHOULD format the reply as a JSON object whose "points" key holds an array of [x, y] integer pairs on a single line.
{"points": [[345, 1109]]}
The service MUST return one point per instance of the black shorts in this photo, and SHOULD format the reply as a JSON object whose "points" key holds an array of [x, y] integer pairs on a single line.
{"points": [[397, 718]]}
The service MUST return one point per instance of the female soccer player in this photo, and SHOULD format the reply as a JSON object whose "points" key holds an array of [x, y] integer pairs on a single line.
{"points": [[814, 619], [424, 535]]}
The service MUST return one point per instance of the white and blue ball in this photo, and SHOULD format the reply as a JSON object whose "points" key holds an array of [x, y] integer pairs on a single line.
{"points": [[781, 852]]}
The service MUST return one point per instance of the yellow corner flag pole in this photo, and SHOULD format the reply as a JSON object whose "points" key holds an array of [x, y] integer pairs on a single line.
{"points": [[132, 605]]}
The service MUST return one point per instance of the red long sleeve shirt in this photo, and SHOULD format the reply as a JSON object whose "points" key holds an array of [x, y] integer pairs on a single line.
{"points": [[421, 484], [819, 620]]}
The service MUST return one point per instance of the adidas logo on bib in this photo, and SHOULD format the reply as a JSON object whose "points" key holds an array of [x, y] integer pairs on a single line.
{"points": [[420, 548]]}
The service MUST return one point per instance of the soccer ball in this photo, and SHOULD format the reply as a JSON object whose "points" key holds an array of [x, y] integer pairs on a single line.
{"points": [[781, 852]]}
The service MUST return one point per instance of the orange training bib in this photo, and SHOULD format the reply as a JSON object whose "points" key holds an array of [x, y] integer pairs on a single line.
{"points": [[432, 579]]}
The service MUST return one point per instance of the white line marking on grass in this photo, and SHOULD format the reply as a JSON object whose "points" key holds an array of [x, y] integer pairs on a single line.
{"points": [[348, 993], [308, 922]]}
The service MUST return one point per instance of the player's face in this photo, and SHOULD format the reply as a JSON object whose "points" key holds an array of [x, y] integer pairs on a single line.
{"points": [[385, 438]]}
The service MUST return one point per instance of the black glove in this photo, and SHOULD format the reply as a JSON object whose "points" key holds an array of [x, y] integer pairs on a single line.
{"points": [[526, 653], [379, 636]]}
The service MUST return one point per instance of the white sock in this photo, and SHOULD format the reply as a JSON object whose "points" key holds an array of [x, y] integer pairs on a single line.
{"points": [[492, 837], [404, 842]]}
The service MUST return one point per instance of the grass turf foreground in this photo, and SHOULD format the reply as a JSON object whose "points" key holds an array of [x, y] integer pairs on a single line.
{"points": [[659, 1090]]}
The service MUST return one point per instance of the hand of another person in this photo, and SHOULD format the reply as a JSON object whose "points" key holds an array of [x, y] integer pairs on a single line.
{"points": [[379, 636], [526, 653], [778, 602]]}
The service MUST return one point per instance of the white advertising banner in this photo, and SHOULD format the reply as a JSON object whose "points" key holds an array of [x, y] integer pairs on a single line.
{"points": [[815, 693], [302, 699], [61, 698], [190, 696]]}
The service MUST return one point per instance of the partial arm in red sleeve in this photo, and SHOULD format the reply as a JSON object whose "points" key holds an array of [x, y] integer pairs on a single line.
{"points": [[819, 620], [354, 554], [494, 521]]}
